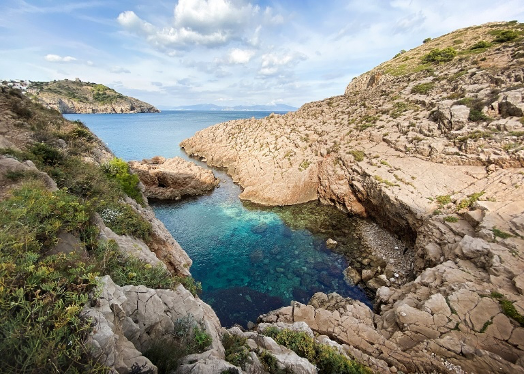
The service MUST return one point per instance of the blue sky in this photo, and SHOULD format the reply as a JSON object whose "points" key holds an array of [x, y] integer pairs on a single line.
{"points": [[226, 52]]}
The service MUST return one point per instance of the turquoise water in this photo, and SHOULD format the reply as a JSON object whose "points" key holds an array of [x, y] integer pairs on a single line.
{"points": [[249, 259]]}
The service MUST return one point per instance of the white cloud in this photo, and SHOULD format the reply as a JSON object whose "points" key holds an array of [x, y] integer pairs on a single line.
{"points": [[119, 69], [57, 58], [209, 23], [240, 56], [276, 64], [133, 23], [208, 16]]}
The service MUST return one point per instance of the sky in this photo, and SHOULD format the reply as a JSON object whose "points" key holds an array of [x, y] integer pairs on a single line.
{"points": [[224, 52]]}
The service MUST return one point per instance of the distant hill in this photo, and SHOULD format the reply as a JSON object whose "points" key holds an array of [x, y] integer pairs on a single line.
{"points": [[213, 107], [76, 96]]}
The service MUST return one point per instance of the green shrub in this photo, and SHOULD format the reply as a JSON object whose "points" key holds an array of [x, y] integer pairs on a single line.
{"points": [[32, 218], [327, 359], [443, 199], [482, 44], [21, 110], [187, 338], [467, 203], [236, 350], [451, 219], [501, 234], [509, 310], [426, 40], [423, 88], [269, 362], [506, 36], [119, 170], [128, 270], [122, 219], [188, 282], [477, 115], [437, 55], [45, 154], [358, 155], [41, 297]]}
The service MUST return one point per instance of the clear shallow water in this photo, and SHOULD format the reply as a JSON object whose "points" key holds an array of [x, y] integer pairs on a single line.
{"points": [[249, 259]]}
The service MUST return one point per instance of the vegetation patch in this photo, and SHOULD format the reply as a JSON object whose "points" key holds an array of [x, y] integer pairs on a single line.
{"points": [[437, 56], [358, 155], [423, 88], [118, 170], [327, 359], [503, 36], [443, 200], [451, 219], [42, 296], [508, 307], [236, 350], [468, 202], [186, 338], [383, 181], [500, 233]]}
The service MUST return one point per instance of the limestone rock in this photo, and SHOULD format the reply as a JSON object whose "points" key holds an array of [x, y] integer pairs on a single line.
{"points": [[171, 179], [128, 320]]}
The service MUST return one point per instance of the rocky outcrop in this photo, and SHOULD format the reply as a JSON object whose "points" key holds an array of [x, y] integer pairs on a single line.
{"points": [[410, 338], [434, 153], [171, 179], [129, 320]]}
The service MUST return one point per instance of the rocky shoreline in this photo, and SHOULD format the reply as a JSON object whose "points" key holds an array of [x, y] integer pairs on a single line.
{"points": [[432, 153]]}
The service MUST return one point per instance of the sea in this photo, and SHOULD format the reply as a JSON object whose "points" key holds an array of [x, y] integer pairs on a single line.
{"points": [[250, 259]]}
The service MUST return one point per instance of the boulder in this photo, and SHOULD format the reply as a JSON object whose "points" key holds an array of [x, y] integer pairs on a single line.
{"points": [[171, 179]]}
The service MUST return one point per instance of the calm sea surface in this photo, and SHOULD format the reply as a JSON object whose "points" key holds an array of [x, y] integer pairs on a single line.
{"points": [[249, 259]]}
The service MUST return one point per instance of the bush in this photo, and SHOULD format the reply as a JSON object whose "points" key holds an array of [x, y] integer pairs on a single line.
{"points": [[476, 115], [437, 55], [236, 350], [423, 88], [481, 45], [187, 338], [122, 219], [327, 359], [506, 36], [41, 297], [358, 155], [128, 270], [45, 154], [269, 362], [118, 170], [426, 40]]}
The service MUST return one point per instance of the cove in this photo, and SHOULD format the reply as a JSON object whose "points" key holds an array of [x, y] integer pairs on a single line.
{"points": [[249, 259]]}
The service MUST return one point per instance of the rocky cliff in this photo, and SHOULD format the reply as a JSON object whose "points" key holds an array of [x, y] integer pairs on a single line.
{"points": [[429, 144], [85, 97]]}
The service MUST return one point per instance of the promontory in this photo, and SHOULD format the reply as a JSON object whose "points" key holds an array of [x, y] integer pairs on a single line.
{"points": [[76, 96]]}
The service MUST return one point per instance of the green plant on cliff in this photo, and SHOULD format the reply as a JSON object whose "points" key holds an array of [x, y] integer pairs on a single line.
{"points": [[236, 350], [119, 170], [437, 55], [186, 338], [41, 297], [326, 358]]}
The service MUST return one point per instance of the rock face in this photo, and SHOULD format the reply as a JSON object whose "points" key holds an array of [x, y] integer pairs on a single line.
{"points": [[415, 336], [434, 152], [171, 179], [85, 97], [128, 320]]}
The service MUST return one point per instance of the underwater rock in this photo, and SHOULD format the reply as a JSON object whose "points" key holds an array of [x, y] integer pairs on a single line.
{"points": [[259, 228], [331, 244]]}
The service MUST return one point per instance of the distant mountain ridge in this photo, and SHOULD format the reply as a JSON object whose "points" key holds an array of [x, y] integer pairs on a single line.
{"points": [[75, 96], [260, 107]]}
